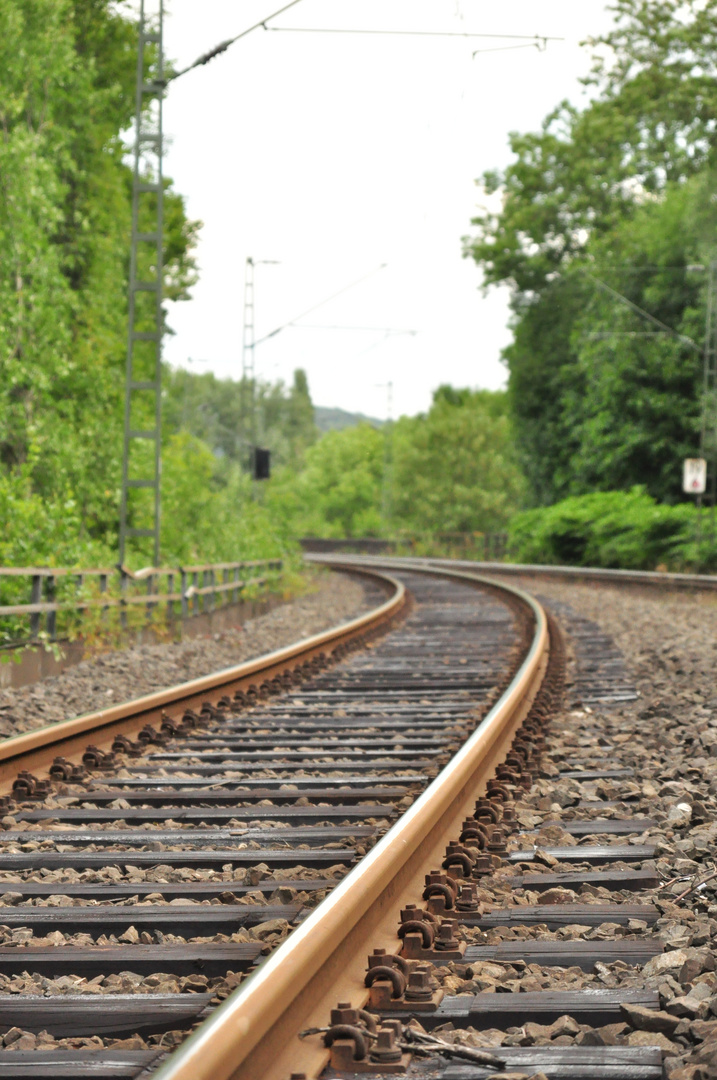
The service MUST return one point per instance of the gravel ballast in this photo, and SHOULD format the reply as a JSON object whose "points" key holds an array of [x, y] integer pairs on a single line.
{"points": [[667, 736], [115, 677]]}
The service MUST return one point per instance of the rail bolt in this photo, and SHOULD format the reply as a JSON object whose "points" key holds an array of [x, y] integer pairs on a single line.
{"points": [[440, 892], [458, 864], [499, 791], [445, 938], [122, 745], [411, 912], [482, 866], [467, 899], [523, 749], [385, 974], [419, 985], [379, 958], [61, 769], [385, 1049], [474, 833], [344, 1013], [170, 726], [339, 1037], [94, 758], [149, 734], [415, 927], [496, 844], [487, 808], [24, 784]]}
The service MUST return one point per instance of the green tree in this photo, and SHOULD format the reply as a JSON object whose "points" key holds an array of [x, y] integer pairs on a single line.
{"points": [[215, 410], [454, 468], [638, 410], [338, 492], [569, 199], [67, 70]]}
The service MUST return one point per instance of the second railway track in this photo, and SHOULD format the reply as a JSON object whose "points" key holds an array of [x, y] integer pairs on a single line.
{"points": [[142, 882]]}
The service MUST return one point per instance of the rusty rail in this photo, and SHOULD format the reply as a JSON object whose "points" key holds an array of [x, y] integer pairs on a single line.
{"points": [[37, 750], [597, 575], [253, 1034]]}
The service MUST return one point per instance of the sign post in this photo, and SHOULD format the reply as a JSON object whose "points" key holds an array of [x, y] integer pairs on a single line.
{"points": [[694, 482], [694, 476]]}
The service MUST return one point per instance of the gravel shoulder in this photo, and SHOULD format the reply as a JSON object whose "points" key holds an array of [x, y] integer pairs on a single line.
{"points": [[668, 638], [114, 677]]}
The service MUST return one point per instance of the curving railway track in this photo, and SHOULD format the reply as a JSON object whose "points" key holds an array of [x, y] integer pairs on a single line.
{"points": [[372, 850]]}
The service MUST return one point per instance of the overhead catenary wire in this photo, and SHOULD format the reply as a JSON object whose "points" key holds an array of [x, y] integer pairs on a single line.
{"points": [[368, 329], [641, 311], [538, 40], [224, 45], [315, 307], [407, 33]]}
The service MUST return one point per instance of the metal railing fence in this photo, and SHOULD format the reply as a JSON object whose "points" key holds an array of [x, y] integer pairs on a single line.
{"points": [[188, 590]]}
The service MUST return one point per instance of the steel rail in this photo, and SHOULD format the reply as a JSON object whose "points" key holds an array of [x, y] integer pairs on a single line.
{"points": [[253, 1034], [36, 750], [598, 574], [665, 579]]}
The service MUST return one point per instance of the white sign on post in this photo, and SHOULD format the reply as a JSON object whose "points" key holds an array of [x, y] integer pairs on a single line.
{"points": [[694, 476]]}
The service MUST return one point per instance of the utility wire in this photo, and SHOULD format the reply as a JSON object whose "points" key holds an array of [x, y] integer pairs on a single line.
{"points": [[352, 285], [645, 314], [369, 329], [538, 43], [534, 39], [651, 268], [224, 45], [405, 33]]}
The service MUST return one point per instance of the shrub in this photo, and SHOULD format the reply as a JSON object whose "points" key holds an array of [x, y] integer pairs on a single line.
{"points": [[615, 529]]}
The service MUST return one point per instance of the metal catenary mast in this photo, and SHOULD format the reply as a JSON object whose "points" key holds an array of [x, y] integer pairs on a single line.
{"points": [[248, 380], [140, 506], [708, 428]]}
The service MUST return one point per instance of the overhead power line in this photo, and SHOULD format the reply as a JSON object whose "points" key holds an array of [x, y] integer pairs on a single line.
{"points": [[406, 33], [537, 40], [368, 329], [645, 314], [224, 45], [352, 285]]}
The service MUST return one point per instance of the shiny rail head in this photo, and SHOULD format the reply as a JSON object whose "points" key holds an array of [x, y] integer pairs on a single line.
{"points": [[222, 1047]]}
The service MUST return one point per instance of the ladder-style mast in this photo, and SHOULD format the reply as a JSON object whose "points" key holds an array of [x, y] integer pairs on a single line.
{"points": [[708, 431], [140, 506], [248, 380]]}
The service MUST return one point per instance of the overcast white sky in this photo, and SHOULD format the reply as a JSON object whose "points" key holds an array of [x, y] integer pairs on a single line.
{"points": [[337, 153]]}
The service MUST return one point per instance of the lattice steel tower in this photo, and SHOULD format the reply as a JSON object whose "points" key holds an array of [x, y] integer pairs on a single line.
{"points": [[141, 462], [248, 374], [708, 432]]}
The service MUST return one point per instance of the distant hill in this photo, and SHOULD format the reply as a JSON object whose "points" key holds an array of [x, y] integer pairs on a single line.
{"points": [[328, 419]]}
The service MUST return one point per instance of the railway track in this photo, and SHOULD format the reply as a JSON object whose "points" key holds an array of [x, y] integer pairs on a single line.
{"points": [[518, 898], [153, 854]]}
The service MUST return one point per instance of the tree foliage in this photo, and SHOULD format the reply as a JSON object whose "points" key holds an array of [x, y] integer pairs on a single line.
{"points": [[614, 192], [217, 412], [453, 468], [448, 470], [67, 72], [618, 529]]}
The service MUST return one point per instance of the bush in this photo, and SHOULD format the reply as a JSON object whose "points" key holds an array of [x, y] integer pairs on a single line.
{"points": [[625, 530]]}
